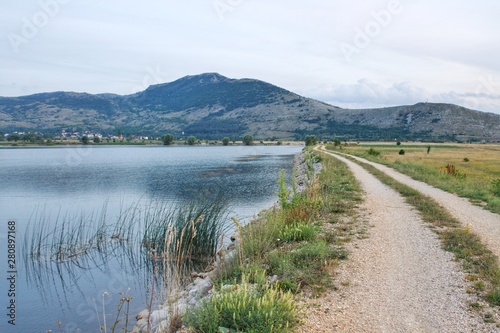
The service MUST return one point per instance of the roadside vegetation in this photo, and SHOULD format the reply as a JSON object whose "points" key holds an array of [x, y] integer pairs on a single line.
{"points": [[288, 251], [468, 170], [479, 263]]}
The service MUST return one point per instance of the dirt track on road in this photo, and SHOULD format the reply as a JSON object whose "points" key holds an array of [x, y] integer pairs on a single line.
{"points": [[398, 279]]}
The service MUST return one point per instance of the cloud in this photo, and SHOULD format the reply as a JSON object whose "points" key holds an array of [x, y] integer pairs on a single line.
{"points": [[366, 92], [427, 52]]}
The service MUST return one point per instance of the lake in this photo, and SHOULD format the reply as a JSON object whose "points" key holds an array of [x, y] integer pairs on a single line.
{"points": [[44, 186]]}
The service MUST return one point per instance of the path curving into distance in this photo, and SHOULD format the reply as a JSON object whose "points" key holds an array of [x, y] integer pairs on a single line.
{"points": [[398, 279], [482, 222]]}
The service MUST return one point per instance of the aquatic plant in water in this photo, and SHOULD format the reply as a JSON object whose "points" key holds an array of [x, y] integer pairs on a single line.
{"points": [[182, 236]]}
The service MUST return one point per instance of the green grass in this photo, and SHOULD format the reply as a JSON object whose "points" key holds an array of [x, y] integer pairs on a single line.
{"points": [[245, 307]]}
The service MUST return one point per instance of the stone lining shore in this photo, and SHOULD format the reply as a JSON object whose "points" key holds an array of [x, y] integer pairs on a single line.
{"points": [[194, 293]]}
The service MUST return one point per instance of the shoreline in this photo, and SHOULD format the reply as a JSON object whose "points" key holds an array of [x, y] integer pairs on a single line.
{"points": [[5, 144], [200, 288]]}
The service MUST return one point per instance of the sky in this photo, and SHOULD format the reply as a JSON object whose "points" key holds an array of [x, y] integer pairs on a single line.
{"points": [[352, 54]]}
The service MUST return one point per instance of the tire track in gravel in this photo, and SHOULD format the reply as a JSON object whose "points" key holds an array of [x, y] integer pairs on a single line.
{"points": [[399, 279]]}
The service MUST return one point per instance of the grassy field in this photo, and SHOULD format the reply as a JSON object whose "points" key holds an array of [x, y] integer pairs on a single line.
{"points": [[468, 170]]}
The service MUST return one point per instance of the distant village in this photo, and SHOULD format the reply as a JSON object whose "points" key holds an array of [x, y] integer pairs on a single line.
{"points": [[64, 135]]}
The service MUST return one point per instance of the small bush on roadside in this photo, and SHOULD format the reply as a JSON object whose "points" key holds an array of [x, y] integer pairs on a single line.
{"points": [[303, 265], [494, 297], [297, 232], [245, 307], [451, 170], [311, 140], [373, 152], [496, 187]]}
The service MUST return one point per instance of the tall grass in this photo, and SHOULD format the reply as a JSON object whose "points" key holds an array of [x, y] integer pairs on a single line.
{"points": [[162, 242], [185, 235], [246, 307]]}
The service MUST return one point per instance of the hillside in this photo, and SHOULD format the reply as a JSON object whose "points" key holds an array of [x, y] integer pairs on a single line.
{"points": [[213, 106]]}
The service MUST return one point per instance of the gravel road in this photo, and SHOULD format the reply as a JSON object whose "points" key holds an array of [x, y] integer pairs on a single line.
{"points": [[484, 223], [398, 279]]}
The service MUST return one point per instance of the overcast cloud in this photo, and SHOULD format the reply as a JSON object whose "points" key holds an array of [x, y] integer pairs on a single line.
{"points": [[348, 53]]}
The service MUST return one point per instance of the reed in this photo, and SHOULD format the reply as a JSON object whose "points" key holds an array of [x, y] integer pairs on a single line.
{"points": [[164, 242]]}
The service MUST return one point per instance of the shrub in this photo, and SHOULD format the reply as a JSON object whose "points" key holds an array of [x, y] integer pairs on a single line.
{"points": [[311, 140], [245, 308], [225, 141], [191, 140], [167, 139], [466, 159], [402, 152], [248, 140], [494, 297], [373, 152], [297, 232], [398, 143], [451, 170], [283, 193], [496, 187]]}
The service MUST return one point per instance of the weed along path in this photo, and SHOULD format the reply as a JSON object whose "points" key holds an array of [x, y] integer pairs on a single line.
{"points": [[484, 223], [398, 279]]}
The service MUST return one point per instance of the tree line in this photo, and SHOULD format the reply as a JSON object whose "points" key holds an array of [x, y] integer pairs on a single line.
{"points": [[169, 139]]}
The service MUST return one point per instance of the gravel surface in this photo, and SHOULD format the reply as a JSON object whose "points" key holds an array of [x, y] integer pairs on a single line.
{"points": [[398, 279]]}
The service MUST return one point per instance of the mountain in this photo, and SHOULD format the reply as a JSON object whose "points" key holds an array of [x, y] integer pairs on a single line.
{"points": [[212, 106]]}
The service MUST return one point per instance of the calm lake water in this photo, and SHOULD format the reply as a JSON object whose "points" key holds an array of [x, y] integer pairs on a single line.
{"points": [[79, 183]]}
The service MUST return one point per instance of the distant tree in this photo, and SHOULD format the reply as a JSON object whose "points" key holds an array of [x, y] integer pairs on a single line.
{"points": [[428, 149], [191, 140], [85, 140], [167, 139], [402, 152], [311, 140], [248, 140], [2, 136], [97, 139], [31, 137], [336, 142], [398, 143], [225, 141], [14, 137]]}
